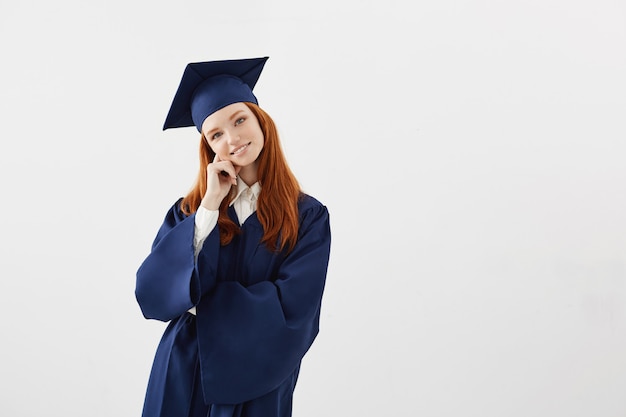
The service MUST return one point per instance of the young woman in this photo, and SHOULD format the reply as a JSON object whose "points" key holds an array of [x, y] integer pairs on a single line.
{"points": [[239, 264]]}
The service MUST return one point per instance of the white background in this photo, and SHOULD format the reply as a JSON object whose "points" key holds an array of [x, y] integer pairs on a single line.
{"points": [[471, 154]]}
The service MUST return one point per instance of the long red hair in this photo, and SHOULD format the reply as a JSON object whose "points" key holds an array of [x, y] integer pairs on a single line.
{"points": [[277, 206]]}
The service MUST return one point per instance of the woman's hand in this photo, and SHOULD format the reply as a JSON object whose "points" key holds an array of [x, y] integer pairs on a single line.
{"points": [[220, 176]]}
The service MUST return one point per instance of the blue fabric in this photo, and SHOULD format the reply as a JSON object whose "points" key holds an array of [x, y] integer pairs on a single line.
{"points": [[257, 315], [206, 87], [218, 92], [176, 360]]}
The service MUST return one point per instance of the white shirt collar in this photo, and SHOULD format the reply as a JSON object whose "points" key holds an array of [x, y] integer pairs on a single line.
{"points": [[242, 187]]}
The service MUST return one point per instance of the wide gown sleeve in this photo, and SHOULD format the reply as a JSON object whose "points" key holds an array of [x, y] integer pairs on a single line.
{"points": [[252, 338], [168, 283]]}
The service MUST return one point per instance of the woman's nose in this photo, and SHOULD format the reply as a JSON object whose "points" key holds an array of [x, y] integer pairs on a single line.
{"points": [[232, 137]]}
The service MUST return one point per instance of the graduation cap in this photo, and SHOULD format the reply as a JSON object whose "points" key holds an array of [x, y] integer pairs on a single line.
{"points": [[209, 86]]}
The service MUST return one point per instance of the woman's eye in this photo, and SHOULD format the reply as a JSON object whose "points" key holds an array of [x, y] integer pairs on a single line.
{"points": [[239, 121], [216, 135]]}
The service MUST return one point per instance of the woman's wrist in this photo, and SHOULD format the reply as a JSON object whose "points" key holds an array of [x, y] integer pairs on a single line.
{"points": [[210, 203]]}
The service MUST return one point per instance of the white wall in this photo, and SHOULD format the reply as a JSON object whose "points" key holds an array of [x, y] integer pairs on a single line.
{"points": [[471, 154]]}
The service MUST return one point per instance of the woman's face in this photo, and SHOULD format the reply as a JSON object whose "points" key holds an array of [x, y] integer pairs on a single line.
{"points": [[235, 135]]}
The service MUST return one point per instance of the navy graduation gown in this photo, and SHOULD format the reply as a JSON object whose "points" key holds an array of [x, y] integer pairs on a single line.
{"points": [[257, 315]]}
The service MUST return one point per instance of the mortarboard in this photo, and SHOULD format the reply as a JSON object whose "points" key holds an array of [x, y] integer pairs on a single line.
{"points": [[209, 86]]}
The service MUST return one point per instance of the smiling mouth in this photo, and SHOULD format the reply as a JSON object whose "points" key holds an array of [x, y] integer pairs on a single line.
{"points": [[240, 149]]}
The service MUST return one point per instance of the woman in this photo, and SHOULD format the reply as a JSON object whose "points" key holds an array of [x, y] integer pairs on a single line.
{"points": [[239, 264]]}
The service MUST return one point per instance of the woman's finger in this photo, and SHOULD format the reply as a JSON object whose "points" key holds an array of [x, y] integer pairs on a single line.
{"points": [[224, 168]]}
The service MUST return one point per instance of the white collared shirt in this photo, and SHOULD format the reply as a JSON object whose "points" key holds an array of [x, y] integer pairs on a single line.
{"points": [[245, 200], [206, 220]]}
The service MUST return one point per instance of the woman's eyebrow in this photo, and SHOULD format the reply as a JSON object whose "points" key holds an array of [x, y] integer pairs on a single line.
{"points": [[235, 114], [208, 132], [232, 117]]}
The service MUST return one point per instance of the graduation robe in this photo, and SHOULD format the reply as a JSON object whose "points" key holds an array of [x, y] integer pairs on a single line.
{"points": [[257, 314]]}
